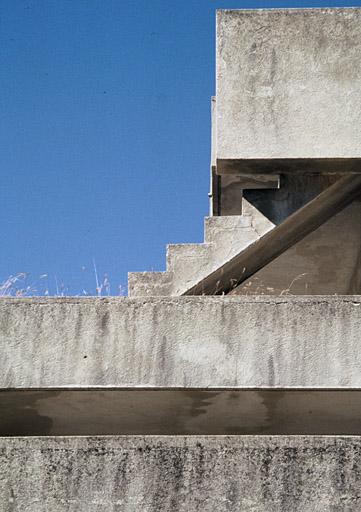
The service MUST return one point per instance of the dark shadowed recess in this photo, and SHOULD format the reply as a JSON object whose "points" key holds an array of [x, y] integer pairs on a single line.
{"points": [[30, 412]]}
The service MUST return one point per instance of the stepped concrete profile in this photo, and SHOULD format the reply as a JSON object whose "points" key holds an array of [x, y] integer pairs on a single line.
{"points": [[187, 264]]}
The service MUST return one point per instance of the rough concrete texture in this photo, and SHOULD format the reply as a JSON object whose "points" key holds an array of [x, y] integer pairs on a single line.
{"points": [[295, 191], [180, 474], [187, 264], [179, 412], [226, 191], [288, 84], [311, 341], [325, 262]]}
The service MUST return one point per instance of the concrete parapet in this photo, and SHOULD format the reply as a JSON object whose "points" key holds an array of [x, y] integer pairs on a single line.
{"points": [[310, 341], [180, 474]]}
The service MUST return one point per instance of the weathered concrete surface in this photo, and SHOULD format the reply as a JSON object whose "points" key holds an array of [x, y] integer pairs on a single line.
{"points": [[327, 261], [295, 191], [70, 412], [311, 341], [288, 85], [180, 474], [187, 264]]}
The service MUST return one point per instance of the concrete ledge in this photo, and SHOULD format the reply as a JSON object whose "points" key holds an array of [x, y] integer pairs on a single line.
{"points": [[180, 474], [289, 165], [181, 342]]}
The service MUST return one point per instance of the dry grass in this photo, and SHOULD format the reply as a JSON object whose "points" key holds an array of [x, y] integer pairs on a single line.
{"points": [[22, 285]]}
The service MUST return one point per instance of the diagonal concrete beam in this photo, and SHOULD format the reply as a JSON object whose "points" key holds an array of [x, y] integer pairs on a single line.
{"points": [[278, 240]]}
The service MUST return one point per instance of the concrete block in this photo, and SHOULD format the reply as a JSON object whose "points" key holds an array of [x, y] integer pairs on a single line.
{"points": [[199, 342], [180, 474], [288, 89], [180, 254], [147, 284], [229, 235], [187, 262], [215, 227]]}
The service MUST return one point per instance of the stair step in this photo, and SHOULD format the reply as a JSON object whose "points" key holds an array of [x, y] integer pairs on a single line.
{"points": [[185, 253], [147, 284], [229, 235], [213, 226], [259, 221], [187, 264]]}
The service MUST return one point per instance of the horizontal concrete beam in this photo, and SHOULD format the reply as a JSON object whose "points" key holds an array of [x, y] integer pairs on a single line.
{"points": [[277, 166], [259, 181], [183, 474], [310, 341], [70, 412]]}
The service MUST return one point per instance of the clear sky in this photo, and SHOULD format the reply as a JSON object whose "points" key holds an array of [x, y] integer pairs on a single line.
{"points": [[105, 133]]}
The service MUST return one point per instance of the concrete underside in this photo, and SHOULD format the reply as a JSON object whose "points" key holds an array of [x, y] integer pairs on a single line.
{"points": [[182, 411], [311, 341], [293, 166], [205, 474]]}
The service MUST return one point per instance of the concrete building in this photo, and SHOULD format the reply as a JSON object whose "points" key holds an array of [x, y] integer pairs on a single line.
{"points": [[231, 381]]}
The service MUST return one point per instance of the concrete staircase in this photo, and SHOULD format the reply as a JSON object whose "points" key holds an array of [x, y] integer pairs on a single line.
{"points": [[187, 264]]}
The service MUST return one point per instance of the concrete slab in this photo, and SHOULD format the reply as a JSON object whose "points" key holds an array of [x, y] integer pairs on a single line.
{"points": [[310, 341], [288, 89], [180, 474]]}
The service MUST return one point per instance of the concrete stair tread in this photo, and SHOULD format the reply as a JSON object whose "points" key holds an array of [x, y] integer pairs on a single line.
{"points": [[149, 283], [188, 263]]}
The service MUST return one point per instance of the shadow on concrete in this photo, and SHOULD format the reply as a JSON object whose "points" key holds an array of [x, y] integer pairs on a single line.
{"points": [[176, 411]]}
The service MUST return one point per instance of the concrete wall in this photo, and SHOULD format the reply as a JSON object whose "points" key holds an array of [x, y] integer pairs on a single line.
{"points": [[288, 84], [180, 474], [181, 342]]}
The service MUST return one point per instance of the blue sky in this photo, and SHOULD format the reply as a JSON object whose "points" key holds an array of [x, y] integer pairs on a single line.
{"points": [[105, 133]]}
